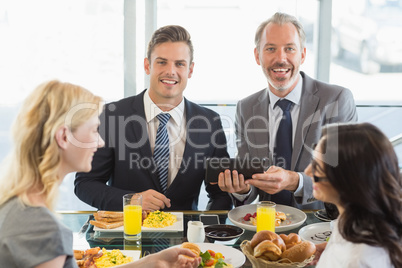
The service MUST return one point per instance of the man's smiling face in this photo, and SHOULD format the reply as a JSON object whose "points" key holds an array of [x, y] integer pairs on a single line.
{"points": [[280, 56], [169, 69]]}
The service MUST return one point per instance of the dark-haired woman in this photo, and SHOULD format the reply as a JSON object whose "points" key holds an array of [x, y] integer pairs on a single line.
{"points": [[355, 167]]}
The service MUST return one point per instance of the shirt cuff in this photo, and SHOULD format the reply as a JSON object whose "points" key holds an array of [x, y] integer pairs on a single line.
{"points": [[299, 190], [242, 197]]}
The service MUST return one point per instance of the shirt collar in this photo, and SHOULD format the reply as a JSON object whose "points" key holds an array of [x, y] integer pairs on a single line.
{"points": [[294, 95], [152, 110]]}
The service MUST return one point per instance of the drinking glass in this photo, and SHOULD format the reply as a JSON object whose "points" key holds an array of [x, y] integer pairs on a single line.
{"points": [[266, 216], [132, 209]]}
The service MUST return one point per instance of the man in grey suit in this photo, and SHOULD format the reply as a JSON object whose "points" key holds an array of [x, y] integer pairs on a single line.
{"points": [[311, 104]]}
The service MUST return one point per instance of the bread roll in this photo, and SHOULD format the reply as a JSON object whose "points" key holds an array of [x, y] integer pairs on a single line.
{"points": [[193, 247], [279, 242], [290, 240], [261, 236], [267, 250], [299, 252]]}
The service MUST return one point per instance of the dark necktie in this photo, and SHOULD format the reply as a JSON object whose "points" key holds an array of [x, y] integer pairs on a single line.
{"points": [[161, 151], [283, 148]]}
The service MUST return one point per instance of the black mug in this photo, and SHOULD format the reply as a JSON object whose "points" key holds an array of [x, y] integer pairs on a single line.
{"points": [[331, 210]]}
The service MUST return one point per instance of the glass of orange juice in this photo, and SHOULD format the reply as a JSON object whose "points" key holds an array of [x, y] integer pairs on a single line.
{"points": [[132, 210], [266, 216]]}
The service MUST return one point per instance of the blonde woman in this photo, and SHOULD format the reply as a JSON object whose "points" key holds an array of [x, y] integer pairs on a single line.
{"points": [[55, 133]]}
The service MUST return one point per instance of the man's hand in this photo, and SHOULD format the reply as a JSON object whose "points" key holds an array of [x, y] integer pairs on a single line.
{"points": [[275, 179], [232, 183], [153, 200]]}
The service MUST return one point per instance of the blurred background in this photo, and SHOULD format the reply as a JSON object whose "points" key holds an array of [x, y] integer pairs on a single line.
{"points": [[101, 44]]}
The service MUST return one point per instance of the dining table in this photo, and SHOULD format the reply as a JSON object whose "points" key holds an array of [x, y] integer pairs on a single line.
{"points": [[85, 237]]}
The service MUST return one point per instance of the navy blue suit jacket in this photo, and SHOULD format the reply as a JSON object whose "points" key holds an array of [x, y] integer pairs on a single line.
{"points": [[125, 164]]}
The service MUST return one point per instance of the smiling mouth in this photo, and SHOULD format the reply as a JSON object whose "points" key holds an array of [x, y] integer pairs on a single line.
{"points": [[280, 70], [169, 82]]}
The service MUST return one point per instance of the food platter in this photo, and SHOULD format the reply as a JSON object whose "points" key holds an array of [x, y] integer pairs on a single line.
{"points": [[176, 227], [294, 217], [233, 256], [134, 254]]}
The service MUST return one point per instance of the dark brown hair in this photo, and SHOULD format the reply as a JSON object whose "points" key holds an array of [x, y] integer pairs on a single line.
{"points": [[369, 183], [170, 33]]}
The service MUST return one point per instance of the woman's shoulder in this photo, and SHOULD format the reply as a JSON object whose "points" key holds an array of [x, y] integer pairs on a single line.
{"points": [[372, 256], [18, 218]]}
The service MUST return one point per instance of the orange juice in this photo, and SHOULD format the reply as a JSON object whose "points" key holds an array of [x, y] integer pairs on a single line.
{"points": [[266, 218], [132, 219]]}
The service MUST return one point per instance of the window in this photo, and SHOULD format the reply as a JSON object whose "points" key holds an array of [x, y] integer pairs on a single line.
{"points": [[367, 49], [77, 41], [223, 32]]}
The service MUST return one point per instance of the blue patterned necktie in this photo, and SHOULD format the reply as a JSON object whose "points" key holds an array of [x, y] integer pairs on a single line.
{"points": [[283, 148], [161, 151]]}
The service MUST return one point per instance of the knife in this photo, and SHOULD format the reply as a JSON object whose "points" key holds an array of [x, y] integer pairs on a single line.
{"points": [[84, 227]]}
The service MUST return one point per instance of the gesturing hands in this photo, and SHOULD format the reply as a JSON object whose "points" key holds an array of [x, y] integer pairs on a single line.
{"points": [[153, 200], [232, 183], [275, 179], [272, 181]]}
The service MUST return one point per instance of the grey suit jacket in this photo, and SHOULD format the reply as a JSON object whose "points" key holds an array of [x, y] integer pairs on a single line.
{"points": [[320, 104]]}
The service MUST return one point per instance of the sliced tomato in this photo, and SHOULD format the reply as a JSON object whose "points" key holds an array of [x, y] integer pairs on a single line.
{"points": [[209, 262], [212, 253]]}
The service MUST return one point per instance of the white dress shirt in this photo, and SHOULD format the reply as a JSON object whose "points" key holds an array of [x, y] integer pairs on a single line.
{"points": [[176, 128], [340, 253]]}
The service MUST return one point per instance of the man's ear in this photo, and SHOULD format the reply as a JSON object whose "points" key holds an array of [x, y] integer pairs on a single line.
{"points": [[146, 66], [190, 73], [61, 137], [257, 56]]}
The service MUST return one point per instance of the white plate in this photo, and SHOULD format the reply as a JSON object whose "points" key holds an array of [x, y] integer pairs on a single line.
{"points": [[316, 232], [322, 215], [232, 256], [294, 217], [135, 254], [176, 227]]}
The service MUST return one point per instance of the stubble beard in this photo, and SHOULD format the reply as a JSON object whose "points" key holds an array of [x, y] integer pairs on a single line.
{"points": [[276, 83]]}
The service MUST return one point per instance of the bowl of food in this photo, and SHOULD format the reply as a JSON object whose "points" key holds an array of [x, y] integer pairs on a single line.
{"points": [[223, 232]]}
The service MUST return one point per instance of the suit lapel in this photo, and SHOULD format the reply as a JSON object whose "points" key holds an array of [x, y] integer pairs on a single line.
{"points": [[141, 132], [261, 121], [308, 106]]}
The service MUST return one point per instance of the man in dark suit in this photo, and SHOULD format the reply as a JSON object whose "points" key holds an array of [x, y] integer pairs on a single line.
{"points": [[131, 128], [280, 50]]}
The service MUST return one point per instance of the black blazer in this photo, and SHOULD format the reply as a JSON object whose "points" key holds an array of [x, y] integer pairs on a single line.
{"points": [[125, 164]]}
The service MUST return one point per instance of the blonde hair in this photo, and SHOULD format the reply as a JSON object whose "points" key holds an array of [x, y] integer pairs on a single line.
{"points": [[35, 158]]}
